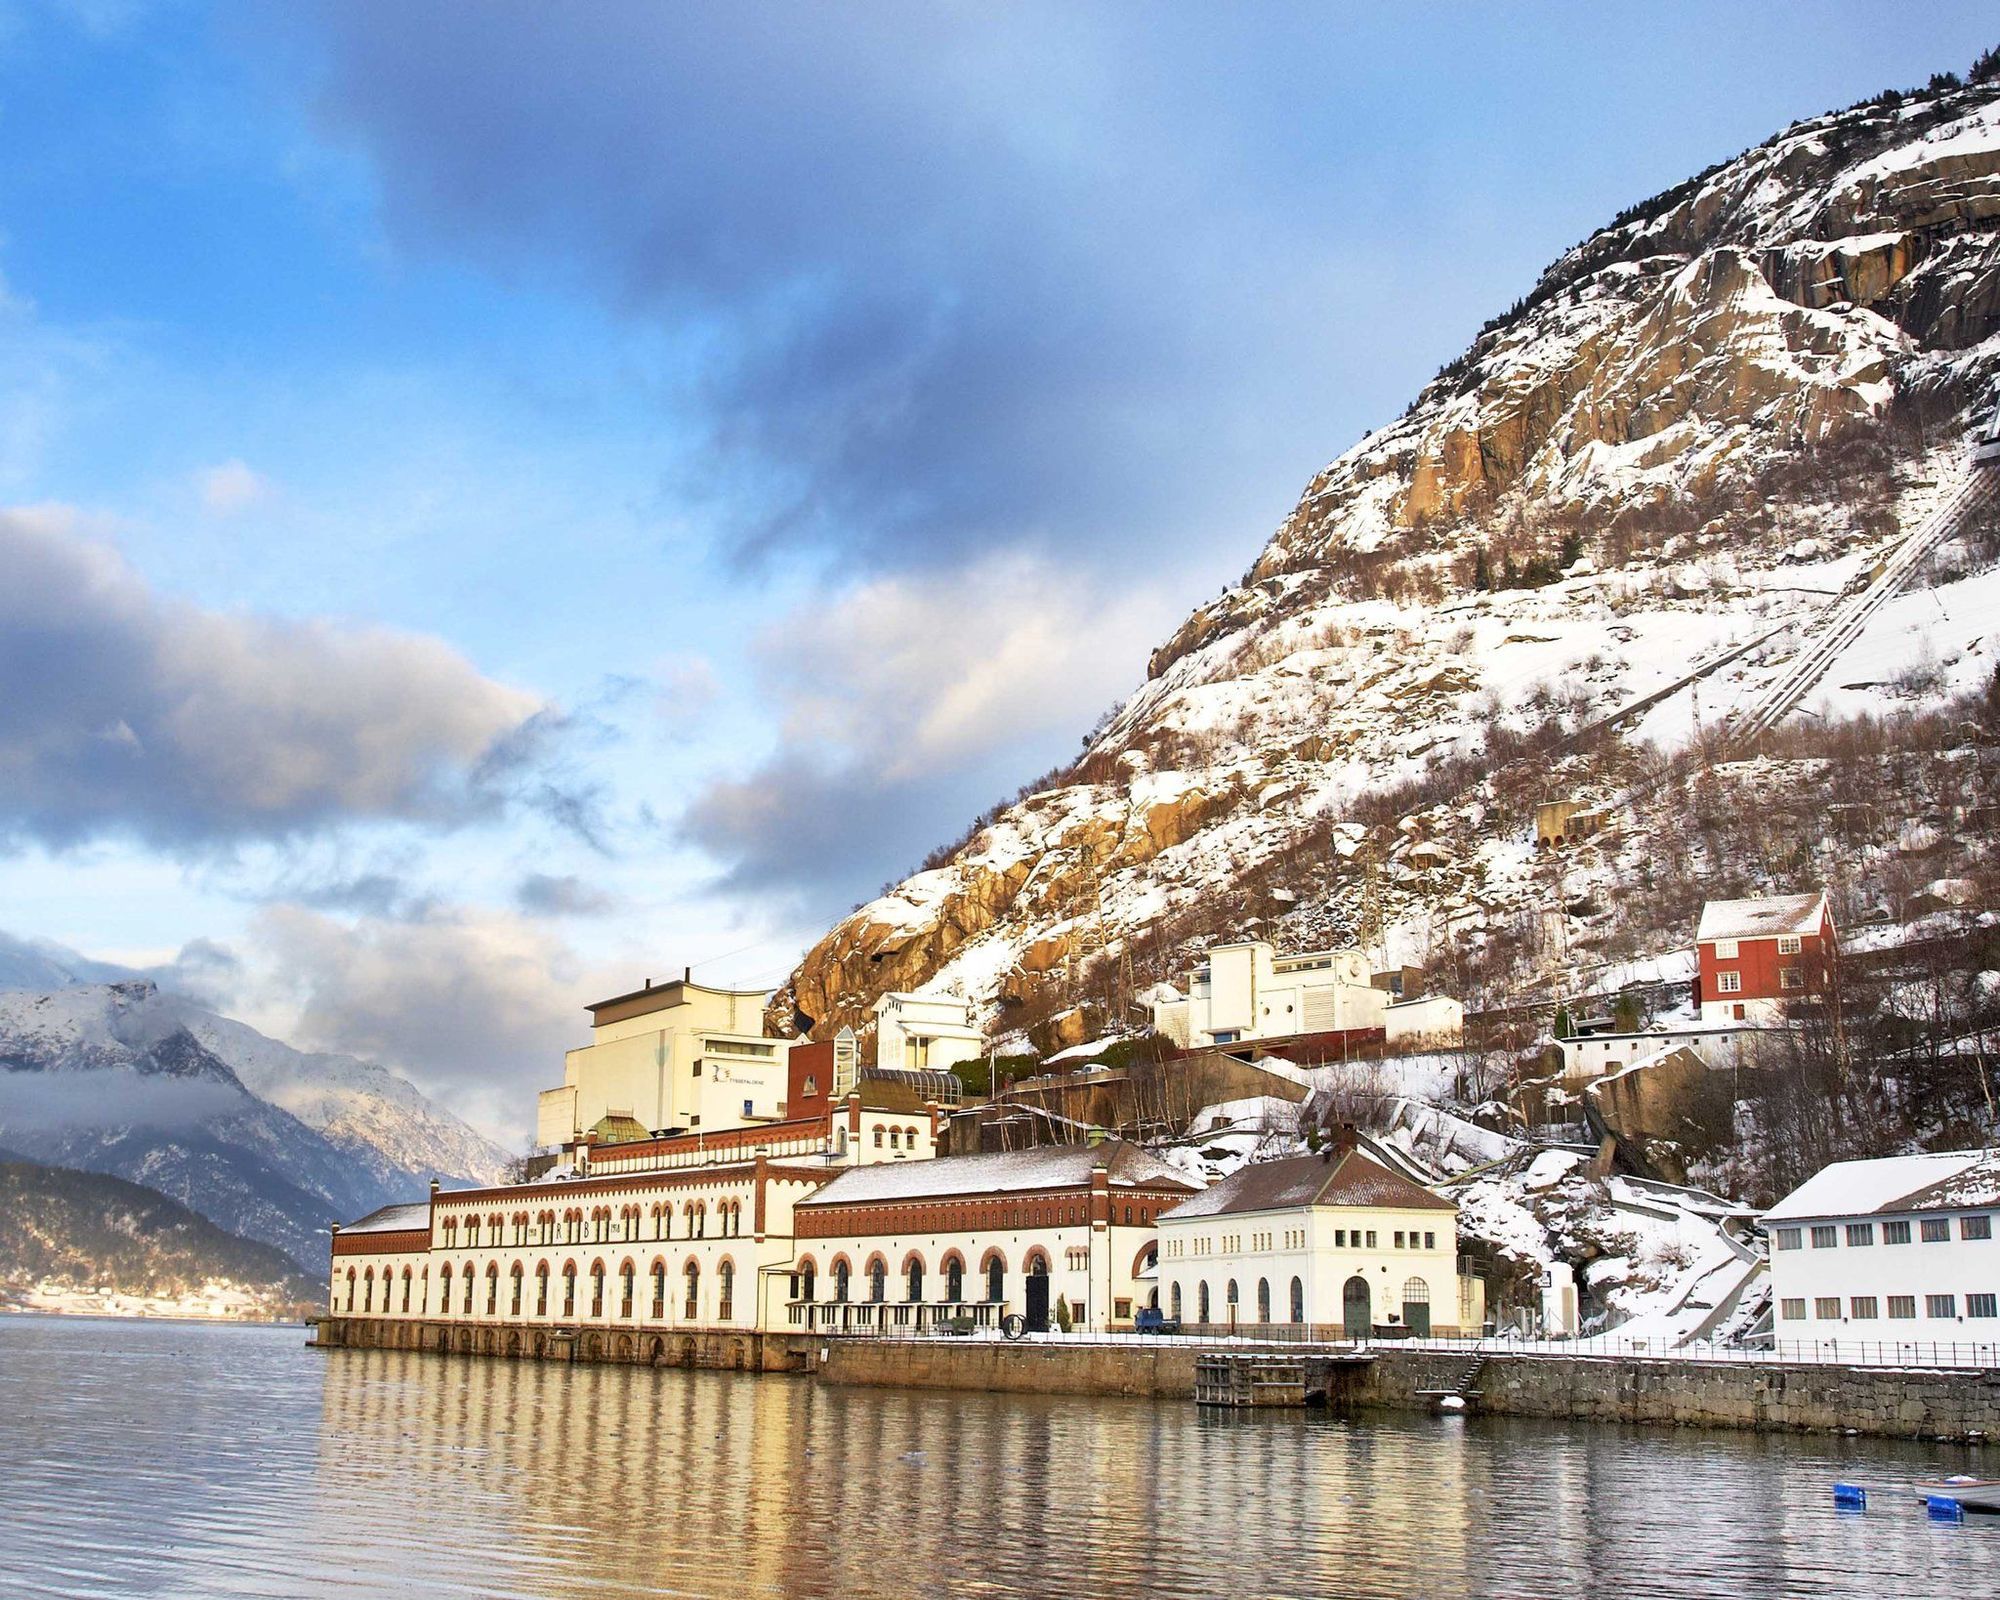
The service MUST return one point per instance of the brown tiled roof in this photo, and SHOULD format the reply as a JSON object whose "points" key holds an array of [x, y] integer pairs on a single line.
{"points": [[1345, 1178]]}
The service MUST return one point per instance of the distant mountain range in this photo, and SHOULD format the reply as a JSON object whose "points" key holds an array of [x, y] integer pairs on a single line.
{"points": [[272, 1143], [96, 1232]]}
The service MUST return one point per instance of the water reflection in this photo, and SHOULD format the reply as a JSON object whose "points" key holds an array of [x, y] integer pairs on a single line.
{"points": [[160, 1460]]}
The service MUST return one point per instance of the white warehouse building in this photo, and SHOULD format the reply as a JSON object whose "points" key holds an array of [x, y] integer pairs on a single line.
{"points": [[1896, 1250], [1249, 991]]}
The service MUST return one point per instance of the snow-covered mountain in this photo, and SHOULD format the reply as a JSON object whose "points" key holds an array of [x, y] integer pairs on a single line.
{"points": [[379, 1118], [1702, 430], [261, 1139]]}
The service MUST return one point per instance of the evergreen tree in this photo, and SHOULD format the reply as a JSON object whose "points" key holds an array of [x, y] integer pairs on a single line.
{"points": [[1572, 551], [1482, 571]]}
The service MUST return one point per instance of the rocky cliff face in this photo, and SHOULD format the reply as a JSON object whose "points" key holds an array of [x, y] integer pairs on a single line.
{"points": [[1700, 425]]}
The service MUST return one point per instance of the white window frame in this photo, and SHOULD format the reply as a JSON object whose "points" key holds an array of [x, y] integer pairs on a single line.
{"points": [[1725, 949], [1789, 944], [1729, 983]]}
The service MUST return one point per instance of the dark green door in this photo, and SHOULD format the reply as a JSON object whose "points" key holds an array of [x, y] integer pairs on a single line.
{"points": [[1038, 1302], [1357, 1316]]}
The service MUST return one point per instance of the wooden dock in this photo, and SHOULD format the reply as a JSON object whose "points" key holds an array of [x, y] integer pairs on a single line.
{"points": [[1248, 1380]]}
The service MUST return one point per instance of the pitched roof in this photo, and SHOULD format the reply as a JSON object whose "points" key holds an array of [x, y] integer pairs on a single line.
{"points": [[1348, 1179], [1943, 1181], [394, 1219], [1003, 1172], [1761, 919]]}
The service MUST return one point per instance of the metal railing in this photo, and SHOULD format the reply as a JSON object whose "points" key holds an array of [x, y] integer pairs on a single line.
{"points": [[1923, 1354]]}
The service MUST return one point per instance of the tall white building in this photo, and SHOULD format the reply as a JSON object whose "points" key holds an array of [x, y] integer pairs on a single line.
{"points": [[1249, 991], [1898, 1249], [918, 1031]]}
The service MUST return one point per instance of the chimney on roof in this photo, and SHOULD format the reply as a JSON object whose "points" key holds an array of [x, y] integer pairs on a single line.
{"points": [[687, 974], [649, 983]]}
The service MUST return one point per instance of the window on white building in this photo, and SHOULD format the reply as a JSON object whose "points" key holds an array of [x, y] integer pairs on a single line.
{"points": [[1941, 1305], [1860, 1233], [1430, 1241], [1825, 1236], [1980, 1305], [1902, 1307], [1827, 1308], [1935, 1230], [1791, 1238], [1793, 1310], [1862, 1308], [1975, 1227], [1895, 1233]]}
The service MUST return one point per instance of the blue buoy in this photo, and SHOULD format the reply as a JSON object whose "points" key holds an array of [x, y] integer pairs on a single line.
{"points": [[1943, 1508], [1850, 1495]]}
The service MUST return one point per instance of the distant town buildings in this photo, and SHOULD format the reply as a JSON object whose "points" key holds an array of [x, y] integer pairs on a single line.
{"points": [[1900, 1248]]}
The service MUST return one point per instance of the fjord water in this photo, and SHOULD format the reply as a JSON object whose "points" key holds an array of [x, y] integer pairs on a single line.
{"points": [[186, 1460]]}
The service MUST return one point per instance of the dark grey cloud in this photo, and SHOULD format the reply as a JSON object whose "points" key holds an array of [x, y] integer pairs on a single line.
{"points": [[811, 828], [542, 895], [48, 1103], [948, 277], [126, 713]]}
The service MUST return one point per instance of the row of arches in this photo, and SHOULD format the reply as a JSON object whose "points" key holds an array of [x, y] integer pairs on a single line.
{"points": [[913, 1277], [1357, 1304], [627, 1224], [565, 1294]]}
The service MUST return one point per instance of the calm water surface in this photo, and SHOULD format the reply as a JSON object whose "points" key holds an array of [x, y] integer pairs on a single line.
{"points": [[164, 1459]]}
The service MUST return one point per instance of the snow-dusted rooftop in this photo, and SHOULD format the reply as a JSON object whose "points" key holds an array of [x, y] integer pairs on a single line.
{"points": [[1761, 919], [1003, 1172], [1348, 1179], [1943, 1181], [394, 1219]]}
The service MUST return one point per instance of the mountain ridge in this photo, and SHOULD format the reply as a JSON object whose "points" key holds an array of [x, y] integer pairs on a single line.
{"points": [[1700, 423]]}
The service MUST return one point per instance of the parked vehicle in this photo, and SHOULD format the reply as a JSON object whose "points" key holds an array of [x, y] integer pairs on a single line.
{"points": [[1150, 1319]]}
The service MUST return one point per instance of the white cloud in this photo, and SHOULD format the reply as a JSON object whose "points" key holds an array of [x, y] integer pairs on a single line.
{"points": [[475, 1006], [129, 712], [232, 487], [908, 673]]}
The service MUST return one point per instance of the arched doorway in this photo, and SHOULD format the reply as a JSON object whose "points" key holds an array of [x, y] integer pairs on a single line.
{"points": [[996, 1278], [1357, 1316], [1036, 1297], [1298, 1301], [1417, 1308], [1263, 1299], [1201, 1302]]}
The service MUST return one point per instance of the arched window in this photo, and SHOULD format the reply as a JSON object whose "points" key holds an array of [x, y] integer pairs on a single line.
{"points": [[1231, 1295], [597, 1289], [954, 1279], [492, 1288], [691, 1273], [569, 1290], [659, 1291], [841, 1272], [1201, 1302], [368, 1290], [424, 1292], [406, 1291], [1298, 1301], [895, 1138], [996, 1279], [520, 1282], [542, 1289], [468, 1288], [725, 1290], [627, 1276], [444, 1290], [802, 1280], [878, 1136], [878, 1280], [1263, 1299], [1174, 1301], [913, 1273]]}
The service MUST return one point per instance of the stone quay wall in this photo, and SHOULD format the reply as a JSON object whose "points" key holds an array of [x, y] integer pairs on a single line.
{"points": [[714, 1348], [1887, 1402]]}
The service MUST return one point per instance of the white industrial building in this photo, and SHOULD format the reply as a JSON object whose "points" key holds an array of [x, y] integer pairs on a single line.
{"points": [[1898, 1249], [1334, 1241], [1249, 991], [918, 1031]]}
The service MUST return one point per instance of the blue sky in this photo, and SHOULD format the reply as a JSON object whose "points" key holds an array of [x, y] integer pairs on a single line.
{"points": [[496, 509]]}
